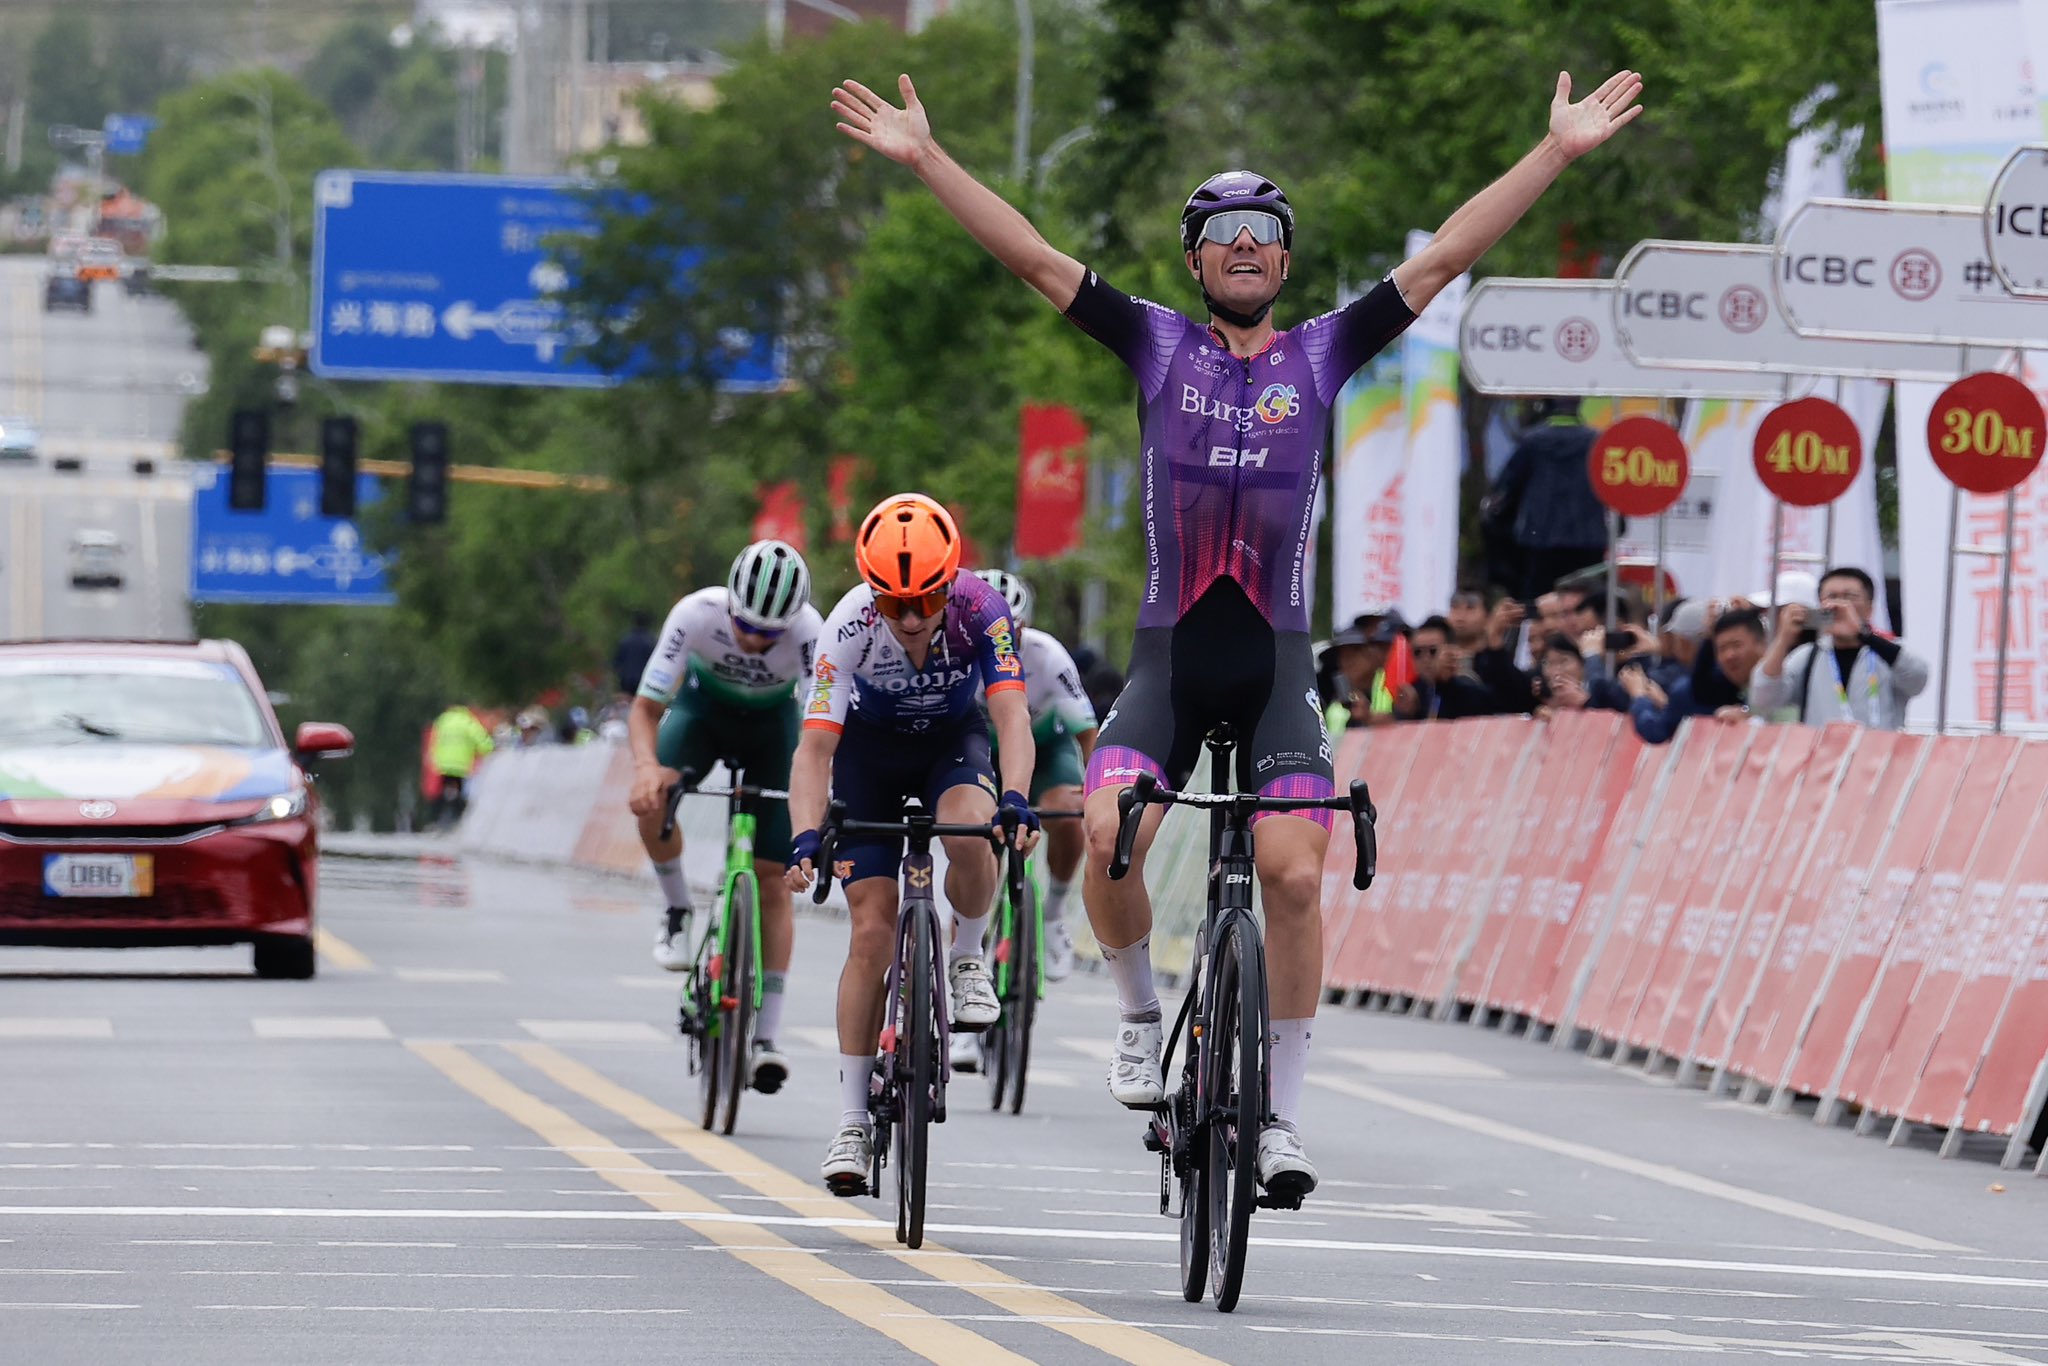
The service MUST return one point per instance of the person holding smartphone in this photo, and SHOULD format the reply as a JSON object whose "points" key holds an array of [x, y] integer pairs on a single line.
{"points": [[1846, 671]]}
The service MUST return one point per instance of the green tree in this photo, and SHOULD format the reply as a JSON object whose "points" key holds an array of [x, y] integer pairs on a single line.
{"points": [[65, 80]]}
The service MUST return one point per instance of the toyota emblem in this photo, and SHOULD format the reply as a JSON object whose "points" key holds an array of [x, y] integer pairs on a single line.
{"points": [[96, 810]]}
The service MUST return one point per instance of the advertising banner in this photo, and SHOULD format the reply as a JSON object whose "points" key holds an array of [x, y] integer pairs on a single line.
{"points": [[1052, 480], [1368, 536], [1958, 95], [1433, 458]]}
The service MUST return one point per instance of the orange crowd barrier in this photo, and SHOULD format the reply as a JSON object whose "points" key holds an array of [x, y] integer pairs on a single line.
{"points": [[1850, 915]]}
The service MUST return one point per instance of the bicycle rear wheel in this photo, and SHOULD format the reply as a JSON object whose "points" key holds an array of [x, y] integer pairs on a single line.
{"points": [[916, 1063], [736, 1005], [1190, 1156], [1235, 1102], [1020, 1008]]}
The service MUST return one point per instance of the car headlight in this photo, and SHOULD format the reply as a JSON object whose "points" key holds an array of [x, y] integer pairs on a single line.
{"points": [[282, 807]]}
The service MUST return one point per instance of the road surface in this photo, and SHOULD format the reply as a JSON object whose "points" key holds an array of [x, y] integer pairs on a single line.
{"points": [[466, 1141], [104, 389]]}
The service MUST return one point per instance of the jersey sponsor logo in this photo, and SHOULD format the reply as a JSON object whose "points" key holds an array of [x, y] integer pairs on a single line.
{"points": [[842, 868], [1194, 401], [825, 675], [1278, 403], [1229, 457], [988, 784], [1006, 646]]}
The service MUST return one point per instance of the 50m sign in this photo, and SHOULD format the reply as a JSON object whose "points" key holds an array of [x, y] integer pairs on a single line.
{"points": [[1638, 467]]}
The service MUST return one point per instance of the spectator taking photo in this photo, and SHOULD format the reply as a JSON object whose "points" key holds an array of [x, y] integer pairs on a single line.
{"points": [[1718, 684], [1845, 672]]}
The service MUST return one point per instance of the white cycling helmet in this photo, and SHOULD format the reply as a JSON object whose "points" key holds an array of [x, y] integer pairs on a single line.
{"points": [[1015, 591], [769, 584]]}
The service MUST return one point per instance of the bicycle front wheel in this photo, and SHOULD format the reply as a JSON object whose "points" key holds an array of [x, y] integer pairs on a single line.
{"points": [[917, 1067], [1020, 1008], [1235, 1102], [736, 1014], [994, 1041]]}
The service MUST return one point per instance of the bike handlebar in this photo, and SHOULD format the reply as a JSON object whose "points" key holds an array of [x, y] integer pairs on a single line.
{"points": [[1146, 791], [688, 785], [1001, 832]]}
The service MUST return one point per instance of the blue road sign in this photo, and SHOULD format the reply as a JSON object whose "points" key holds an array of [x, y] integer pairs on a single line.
{"points": [[443, 277], [286, 553], [127, 134]]}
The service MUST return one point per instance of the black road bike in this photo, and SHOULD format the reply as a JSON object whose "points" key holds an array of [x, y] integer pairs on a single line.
{"points": [[913, 1063], [1207, 1131]]}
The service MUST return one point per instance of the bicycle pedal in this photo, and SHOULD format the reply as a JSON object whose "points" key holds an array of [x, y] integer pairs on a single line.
{"points": [[1153, 1143], [1268, 1200]]}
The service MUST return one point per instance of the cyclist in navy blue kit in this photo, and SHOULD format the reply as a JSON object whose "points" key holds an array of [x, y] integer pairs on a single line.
{"points": [[1234, 417]]}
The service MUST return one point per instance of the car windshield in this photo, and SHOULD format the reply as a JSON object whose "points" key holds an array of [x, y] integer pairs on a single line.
{"points": [[151, 702]]}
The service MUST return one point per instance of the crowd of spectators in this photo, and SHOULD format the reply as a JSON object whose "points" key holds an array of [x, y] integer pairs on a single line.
{"points": [[1815, 659]]}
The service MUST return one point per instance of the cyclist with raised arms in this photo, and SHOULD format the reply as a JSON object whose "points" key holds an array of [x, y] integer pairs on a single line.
{"points": [[1233, 420], [893, 714], [1063, 728], [722, 683]]}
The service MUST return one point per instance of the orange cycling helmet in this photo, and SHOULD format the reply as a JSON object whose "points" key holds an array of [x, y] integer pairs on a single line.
{"points": [[907, 546]]}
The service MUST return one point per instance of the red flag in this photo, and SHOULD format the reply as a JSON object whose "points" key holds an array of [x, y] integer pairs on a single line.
{"points": [[1052, 480], [1400, 665], [840, 477], [781, 517]]}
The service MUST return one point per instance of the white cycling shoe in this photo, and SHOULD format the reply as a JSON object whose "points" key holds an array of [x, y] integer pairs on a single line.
{"points": [[672, 941], [846, 1163], [975, 1007], [1284, 1168], [966, 1052], [1135, 1078], [1059, 951]]}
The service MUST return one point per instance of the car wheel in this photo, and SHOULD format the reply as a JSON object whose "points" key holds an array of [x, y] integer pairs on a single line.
{"points": [[288, 958]]}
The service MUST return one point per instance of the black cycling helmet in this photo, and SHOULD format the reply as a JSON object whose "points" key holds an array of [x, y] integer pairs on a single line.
{"points": [[1228, 190]]}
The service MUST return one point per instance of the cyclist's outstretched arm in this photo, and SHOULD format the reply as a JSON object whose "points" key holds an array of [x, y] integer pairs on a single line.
{"points": [[1467, 235], [905, 135], [810, 788]]}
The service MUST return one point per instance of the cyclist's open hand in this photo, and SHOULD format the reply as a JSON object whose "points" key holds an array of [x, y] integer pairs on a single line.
{"points": [[898, 134], [651, 783], [1579, 128]]}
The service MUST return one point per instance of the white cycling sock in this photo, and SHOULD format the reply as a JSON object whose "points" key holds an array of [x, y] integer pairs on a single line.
{"points": [[968, 935], [854, 1070], [1056, 899], [674, 885], [1130, 967], [1289, 1042], [771, 1005]]}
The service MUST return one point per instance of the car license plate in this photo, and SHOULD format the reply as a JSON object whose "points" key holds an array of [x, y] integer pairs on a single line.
{"points": [[98, 875]]}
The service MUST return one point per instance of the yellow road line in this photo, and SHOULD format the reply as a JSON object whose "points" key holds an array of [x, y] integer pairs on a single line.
{"points": [[340, 955], [1006, 1292], [917, 1330]]}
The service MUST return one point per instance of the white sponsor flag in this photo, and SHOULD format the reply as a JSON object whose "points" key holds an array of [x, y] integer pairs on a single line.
{"points": [[1958, 97], [1394, 498]]}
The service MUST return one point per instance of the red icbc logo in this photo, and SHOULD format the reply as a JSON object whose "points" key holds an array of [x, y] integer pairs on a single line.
{"points": [[1577, 339], [1743, 309], [1916, 275]]}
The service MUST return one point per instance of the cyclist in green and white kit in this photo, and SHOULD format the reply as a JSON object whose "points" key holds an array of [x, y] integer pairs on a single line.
{"points": [[1063, 724], [722, 685]]}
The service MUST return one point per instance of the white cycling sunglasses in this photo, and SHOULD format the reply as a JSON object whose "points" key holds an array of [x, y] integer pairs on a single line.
{"points": [[1223, 228]]}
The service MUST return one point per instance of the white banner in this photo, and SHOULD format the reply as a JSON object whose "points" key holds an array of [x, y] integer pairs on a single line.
{"points": [[1435, 442], [1958, 98], [1394, 489]]}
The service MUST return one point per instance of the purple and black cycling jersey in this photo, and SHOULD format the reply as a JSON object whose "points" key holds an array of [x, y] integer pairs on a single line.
{"points": [[1233, 445]]}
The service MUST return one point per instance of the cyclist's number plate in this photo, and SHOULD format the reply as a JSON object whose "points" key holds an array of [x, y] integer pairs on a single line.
{"points": [[98, 875]]}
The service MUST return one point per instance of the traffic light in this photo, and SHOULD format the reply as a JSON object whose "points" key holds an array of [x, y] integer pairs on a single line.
{"points": [[249, 449], [426, 498], [337, 467]]}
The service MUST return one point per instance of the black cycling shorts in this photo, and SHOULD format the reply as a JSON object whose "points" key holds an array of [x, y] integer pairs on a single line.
{"points": [[1220, 663], [875, 768]]}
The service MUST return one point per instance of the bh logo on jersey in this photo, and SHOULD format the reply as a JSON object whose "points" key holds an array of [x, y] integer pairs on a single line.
{"points": [[1277, 404]]}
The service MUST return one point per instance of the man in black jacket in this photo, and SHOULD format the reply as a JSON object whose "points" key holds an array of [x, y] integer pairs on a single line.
{"points": [[1440, 691], [1545, 496]]}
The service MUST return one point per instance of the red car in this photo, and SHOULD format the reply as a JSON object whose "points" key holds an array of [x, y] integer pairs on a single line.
{"points": [[147, 797]]}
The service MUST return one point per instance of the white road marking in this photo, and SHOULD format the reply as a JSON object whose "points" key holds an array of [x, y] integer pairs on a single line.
{"points": [[424, 1309], [1411, 1062], [1675, 1177], [56, 1271], [1000, 1231], [56, 1027], [593, 1031], [319, 1027], [639, 982], [61, 1304], [814, 1036], [450, 976]]}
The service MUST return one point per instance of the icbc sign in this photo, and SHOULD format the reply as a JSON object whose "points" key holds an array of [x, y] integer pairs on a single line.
{"points": [[1986, 432], [1808, 452], [1638, 466]]}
